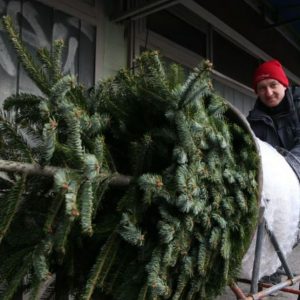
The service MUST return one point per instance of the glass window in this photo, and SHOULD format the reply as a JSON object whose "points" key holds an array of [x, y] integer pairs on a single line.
{"points": [[233, 61], [178, 31]]}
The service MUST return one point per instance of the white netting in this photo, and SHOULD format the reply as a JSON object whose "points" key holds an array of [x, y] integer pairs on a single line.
{"points": [[281, 198]]}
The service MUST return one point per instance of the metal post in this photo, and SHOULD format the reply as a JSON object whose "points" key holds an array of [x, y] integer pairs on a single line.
{"points": [[273, 289], [279, 253], [258, 251]]}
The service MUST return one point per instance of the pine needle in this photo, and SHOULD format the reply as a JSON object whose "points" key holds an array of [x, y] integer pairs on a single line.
{"points": [[13, 202], [101, 261]]}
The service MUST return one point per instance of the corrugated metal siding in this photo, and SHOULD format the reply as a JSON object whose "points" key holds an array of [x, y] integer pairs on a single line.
{"points": [[241, 101]]}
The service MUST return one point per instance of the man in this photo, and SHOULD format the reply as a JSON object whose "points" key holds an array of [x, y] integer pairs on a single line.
{"points": [[275, 116]]}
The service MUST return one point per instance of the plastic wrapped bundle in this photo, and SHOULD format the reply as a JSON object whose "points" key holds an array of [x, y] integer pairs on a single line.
{"points": [[281, 199]]}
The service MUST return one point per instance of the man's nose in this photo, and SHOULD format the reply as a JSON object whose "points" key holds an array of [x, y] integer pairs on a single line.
{"points": [[269, 91]]}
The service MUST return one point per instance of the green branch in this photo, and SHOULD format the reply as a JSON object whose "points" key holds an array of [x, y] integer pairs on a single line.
{"points": [[116, 179]]}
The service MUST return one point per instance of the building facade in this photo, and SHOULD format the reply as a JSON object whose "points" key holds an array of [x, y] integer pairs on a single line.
{"points": [[102, 36]]}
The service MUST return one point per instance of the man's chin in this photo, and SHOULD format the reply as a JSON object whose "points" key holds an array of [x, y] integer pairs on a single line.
{"points": [[272, 103]]}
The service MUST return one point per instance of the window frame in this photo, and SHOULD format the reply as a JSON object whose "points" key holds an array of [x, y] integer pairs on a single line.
{"points": [[153, 41]]}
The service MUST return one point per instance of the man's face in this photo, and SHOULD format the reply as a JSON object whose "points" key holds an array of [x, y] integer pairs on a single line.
{"points": [[270, 92]]}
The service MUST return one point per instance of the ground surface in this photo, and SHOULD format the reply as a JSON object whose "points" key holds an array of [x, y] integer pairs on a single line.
{"points": [[294, 263]]}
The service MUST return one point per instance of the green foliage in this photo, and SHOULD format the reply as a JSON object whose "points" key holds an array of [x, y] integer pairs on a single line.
{"points": [[181, 227], [11, 203], [34, 71]]}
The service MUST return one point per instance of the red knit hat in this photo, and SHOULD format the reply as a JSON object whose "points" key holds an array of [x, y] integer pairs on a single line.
{"points": [[270, 69]]}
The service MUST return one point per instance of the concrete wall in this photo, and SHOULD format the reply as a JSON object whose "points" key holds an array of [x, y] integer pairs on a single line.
{"points": [[111, 46]]}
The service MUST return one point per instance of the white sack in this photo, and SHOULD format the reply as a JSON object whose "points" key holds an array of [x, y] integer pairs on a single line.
{"points": [[281, 198]]}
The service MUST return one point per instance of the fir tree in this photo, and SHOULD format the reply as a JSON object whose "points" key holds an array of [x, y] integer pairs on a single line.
{"points": [[176, 224]]}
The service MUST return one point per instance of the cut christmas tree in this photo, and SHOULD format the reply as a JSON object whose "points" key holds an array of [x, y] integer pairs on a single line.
{"points": [[144, 186]]}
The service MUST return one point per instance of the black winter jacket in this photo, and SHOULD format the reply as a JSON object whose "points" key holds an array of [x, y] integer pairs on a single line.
{"points": [[280, 126]]}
